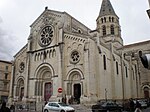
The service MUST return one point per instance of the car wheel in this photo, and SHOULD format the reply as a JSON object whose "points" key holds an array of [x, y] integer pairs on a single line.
{"points": [[45, 110], [121, 110], [93, 111], [62, 111]]}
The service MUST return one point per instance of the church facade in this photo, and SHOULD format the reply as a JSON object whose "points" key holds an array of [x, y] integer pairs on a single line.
{"points": [[63, 57]]}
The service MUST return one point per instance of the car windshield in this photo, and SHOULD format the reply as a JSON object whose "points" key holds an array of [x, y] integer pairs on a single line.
{"points": [[109, 104], [62, 104]]}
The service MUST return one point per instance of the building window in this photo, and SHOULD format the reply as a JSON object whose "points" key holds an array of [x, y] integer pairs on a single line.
{"points": [[140, 53], [6, 68], [135, 69], [112, 19], [104, 61], [112, 31], [46, 36], [21, 67], [117, 70], [126, 70], [109, 19], [75, 56], [102, 20], [104, 30], [79, 31], [6, 75]]}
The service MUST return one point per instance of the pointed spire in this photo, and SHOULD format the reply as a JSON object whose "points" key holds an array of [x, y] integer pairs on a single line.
{"points": [[106, 9]]}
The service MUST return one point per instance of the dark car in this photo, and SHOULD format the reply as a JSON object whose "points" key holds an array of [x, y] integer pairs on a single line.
{"points": [[107, 106]]}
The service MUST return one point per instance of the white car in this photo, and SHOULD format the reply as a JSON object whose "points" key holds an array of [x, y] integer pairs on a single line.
{"points": [[58, 107]]}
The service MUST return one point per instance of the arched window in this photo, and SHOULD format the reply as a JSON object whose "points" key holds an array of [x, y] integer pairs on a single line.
{"points": [[140, 53], [104, 61], [112, 19], [109, 19], [102, 20], [105, 19], [112, 31], [36, 57], [104, 30], [117, 70]]}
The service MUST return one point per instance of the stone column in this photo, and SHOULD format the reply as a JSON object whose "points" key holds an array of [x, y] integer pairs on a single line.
{"points": [[26, 84], [10, 100], [85, 92], [15, 92]]}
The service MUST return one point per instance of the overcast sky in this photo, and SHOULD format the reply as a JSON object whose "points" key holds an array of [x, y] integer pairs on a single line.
{"points": [[16, 16]]}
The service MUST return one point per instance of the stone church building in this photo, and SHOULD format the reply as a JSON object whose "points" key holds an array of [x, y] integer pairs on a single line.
{"points": [[63, 54]]}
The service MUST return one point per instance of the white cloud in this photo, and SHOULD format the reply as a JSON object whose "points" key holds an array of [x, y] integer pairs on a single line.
{"points": [[18, 15]]}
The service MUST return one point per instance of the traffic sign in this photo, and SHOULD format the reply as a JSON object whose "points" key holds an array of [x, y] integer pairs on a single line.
{"points": [[59, 90]]}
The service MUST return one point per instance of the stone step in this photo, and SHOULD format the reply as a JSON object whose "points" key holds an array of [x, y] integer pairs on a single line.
{"points": [[81, 108]]}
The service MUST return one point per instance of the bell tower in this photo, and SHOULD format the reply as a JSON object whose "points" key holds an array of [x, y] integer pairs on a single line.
{"points": [[108, 24]]}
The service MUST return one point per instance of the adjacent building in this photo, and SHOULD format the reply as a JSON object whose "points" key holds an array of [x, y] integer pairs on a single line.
{"points": [[5, 76], [90, 65]]}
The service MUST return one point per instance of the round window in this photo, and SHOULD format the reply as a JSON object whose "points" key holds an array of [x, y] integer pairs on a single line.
{"points": [[75, 56], [21, 67], [46, 36]]}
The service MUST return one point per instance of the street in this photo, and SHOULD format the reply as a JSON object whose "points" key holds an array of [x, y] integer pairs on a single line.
{"points": [[79, 108]]}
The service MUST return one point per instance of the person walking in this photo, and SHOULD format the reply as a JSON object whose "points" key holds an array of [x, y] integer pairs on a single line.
{"points": [[138, 107], [12, 108], [4, 108], [132, 105]]}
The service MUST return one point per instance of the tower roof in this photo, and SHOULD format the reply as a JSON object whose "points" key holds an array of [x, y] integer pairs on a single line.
{"points": [[106, 8]]}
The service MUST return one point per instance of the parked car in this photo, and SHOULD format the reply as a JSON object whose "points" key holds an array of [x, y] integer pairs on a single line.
{"points": [[143, 103], [107, 106], [58, 107]]}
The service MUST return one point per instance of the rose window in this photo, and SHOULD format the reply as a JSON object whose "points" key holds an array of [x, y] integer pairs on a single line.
{"points": [[21, 66], [46, 35], [75, 56]]}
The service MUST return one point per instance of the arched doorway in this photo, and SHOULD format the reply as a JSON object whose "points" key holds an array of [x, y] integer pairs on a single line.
{"points": [[44, 82], [75, 85], [77, 92], [20, 89], [146, 92]]}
